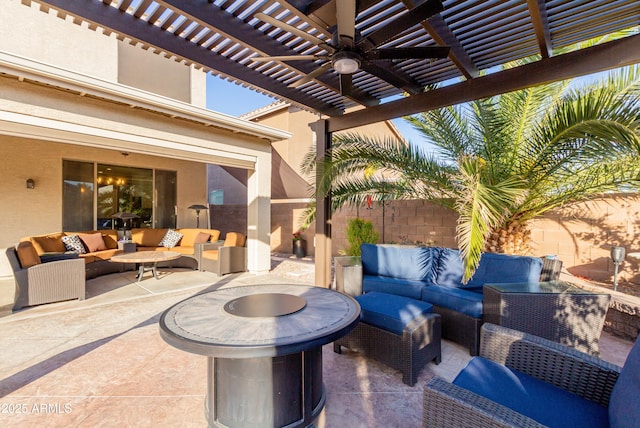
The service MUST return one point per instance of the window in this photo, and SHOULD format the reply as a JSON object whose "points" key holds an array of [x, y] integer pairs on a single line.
{"points": [[148, 194], [124, 190], [166, 198], [77, 195]]}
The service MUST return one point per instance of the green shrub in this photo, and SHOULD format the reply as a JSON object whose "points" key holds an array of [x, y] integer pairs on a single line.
{"points": [[359, 231]]}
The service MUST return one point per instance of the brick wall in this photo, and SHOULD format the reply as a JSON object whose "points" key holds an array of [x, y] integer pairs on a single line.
{"points": [[580, 235]]}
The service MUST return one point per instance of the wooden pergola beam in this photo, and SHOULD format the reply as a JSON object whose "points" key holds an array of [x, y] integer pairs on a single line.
{"points": [[607, 56]]}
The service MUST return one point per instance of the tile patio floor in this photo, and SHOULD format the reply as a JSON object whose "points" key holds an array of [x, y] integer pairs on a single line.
{"points": [[102, 363]]}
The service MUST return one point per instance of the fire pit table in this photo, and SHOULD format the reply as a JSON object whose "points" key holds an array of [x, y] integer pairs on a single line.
{"points": [[263, 345]]}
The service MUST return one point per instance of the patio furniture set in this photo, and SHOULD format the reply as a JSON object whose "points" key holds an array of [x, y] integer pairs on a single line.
{"points": [[411, 296], [434, 275], [54, 267]]}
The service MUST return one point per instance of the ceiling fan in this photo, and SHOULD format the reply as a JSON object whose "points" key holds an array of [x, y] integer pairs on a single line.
{"points": [[348, 52]]}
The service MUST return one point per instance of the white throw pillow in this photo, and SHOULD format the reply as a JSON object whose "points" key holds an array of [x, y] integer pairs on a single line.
{"points": [[170, 239]]}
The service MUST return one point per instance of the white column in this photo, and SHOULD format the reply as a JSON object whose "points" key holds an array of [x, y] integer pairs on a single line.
{"points": [[259, 215]]}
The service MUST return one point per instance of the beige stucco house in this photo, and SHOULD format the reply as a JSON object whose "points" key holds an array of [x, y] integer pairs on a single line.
{"points": [[77, 104], [291, 189]]}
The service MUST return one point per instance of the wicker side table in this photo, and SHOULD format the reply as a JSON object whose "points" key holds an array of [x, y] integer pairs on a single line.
{"points": [[555, 310]]}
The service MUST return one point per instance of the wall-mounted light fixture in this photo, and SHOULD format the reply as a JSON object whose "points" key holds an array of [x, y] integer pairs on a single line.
{"points": [[31, 184]]}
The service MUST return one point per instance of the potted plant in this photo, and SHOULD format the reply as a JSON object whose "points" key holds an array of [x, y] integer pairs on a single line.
{"points": [[299, 244]]}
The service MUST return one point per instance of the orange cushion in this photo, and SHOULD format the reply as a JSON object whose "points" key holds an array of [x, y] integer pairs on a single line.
{"points": [[234, 239], [110, 238], [27, 254], [148, 237], [93, 241], [51, 243], [189, 235], [201, 238], [210, 254]]}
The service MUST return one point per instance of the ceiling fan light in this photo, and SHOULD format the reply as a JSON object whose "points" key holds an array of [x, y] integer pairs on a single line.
{"points": [[346, 65]]}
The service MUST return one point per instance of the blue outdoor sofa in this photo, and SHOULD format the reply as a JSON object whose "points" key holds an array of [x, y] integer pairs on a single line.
{"points": [[434, 275]]}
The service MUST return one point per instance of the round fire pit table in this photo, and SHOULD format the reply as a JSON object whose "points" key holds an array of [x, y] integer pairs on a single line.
{"points": [[263, 345]]}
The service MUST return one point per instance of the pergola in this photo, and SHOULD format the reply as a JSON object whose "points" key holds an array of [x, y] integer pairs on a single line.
{"points": [[226, 37]]}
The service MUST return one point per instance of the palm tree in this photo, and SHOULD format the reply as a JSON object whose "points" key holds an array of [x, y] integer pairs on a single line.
{"points": [[502, 161]]}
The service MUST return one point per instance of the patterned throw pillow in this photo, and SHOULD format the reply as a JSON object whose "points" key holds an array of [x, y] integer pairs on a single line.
{"points": [[73, 243], [171, 239]]}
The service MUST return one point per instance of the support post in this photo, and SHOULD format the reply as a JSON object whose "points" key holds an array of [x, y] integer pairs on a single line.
{"points": [[323, 214]]}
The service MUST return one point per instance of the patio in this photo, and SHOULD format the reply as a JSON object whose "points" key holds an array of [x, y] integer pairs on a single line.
{"points": [[101, 362]]}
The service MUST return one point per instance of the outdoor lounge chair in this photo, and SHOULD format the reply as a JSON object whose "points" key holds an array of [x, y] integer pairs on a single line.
{"points": [[521, 380], [229, 257], [37, 282]]}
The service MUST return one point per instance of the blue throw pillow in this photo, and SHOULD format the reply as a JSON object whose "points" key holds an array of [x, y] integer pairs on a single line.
{"points": [[624, 404], [415, 263]]}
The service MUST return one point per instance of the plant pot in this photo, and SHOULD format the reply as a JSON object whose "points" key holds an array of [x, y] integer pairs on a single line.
{"points": [[300, 248]]}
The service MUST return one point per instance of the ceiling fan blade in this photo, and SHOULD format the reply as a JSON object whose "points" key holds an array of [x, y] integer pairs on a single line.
{"points": [[291, 29], [309, 77], [408, 53], [346, 84], [287, 58], [346, 18], [408, 20], [393, 75]]}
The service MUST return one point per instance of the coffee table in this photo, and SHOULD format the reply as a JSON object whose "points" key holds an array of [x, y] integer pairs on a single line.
{"points": [[556, 310], [263, 345], [146, 260]]}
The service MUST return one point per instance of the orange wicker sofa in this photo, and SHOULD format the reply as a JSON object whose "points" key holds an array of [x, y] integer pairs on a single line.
{"points": [[46, 271], [101, 245]]}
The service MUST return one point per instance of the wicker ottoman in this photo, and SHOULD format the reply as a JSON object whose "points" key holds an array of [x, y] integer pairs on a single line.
{"points": [[400, 332]]}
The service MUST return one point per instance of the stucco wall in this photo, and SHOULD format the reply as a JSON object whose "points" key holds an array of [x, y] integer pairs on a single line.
{"points": [[44, 37], [37, 211], [154, 73], [580, 235]]}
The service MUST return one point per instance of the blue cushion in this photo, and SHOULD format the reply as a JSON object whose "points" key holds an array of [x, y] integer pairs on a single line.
{"points": [[624, 404], [416, 263], [450, 270], [400, 287], [541, 401], [390, 312], [505, 268], [466, 301], [493, 268]]}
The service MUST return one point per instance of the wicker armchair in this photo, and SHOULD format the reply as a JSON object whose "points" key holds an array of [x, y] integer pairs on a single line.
{"points": [[223, 258], [46, 282], [447, 404]]}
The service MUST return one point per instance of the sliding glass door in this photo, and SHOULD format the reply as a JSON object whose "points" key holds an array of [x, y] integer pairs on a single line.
{"points": [[147, 195]]}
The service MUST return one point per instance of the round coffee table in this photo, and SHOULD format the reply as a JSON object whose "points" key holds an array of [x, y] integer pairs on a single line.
{"points": [[264, 349], [146, 260]]}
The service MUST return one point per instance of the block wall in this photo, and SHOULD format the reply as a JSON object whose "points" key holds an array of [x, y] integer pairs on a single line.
{"points": [[581, 235]]}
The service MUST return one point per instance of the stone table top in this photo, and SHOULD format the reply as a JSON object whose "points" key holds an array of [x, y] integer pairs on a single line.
{"points": [[202, 325], [146, 257]]}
